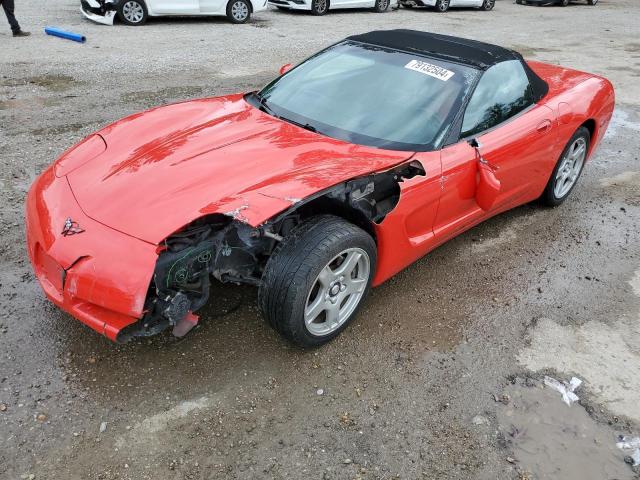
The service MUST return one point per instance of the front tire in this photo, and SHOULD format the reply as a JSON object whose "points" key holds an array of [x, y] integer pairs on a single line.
{"points": [[568, 169], [316, 280], [319, 7], [238, 11], [442, 6], [132, 12], [381, 6]]}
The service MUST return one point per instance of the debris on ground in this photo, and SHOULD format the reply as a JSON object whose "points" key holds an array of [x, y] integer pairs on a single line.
{"points": [[103, 427], [629, 443], [564, 388]]}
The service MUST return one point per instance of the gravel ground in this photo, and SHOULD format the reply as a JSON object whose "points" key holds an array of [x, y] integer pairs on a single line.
{"points": [[433, 380]]}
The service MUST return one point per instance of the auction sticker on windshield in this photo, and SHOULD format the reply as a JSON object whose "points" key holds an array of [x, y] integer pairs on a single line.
{"points": [[430, 69]]}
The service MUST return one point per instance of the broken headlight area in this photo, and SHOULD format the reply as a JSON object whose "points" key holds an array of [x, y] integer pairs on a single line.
{"points": [[214, 246], [98, 7]]}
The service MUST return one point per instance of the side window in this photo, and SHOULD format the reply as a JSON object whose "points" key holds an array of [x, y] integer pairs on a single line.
{"points": [[502, 92]]}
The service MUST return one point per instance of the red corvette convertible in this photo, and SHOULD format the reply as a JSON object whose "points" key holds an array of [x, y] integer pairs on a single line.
{"points": [[332, 178]]}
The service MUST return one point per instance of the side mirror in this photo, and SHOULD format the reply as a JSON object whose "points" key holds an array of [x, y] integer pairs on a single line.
{"points": [[285, 68]]}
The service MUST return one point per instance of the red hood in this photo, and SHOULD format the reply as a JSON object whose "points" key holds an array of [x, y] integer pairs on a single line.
{"points": [[168, 166]]}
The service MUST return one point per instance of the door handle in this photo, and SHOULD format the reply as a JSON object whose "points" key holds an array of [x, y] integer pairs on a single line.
{"points": [[544, 127]]}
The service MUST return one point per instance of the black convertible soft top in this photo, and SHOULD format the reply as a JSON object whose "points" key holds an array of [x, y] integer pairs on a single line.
{"points": [[476, 54]]}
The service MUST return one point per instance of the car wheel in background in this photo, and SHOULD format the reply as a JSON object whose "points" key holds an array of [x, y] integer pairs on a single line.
{"points": [[381, 6], [564, 3], [592, 2], [488, 5], [568, 169], [442, 5], [238, 11], [319, 7], [132, 12], [316, 280]]}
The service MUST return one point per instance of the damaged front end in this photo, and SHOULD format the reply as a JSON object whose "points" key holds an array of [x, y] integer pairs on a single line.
{"points": [[213, 246], [231, 251], [100, 11]]}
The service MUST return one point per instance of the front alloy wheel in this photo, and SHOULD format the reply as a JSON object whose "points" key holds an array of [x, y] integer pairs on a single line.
{"points": [[132, 12], [238, 11], [319, 7], [316, 279]]}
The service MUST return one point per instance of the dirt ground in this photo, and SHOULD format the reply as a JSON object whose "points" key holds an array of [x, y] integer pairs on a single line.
{"points": [[440, 375]]}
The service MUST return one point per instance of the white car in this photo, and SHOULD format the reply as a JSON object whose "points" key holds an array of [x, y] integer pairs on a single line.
{"points": [[320, 7], [136, 12], [444, 5]]}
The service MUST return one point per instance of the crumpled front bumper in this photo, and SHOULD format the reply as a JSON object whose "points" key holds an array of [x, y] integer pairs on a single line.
{"points": [[98, 275], [99, 11]]}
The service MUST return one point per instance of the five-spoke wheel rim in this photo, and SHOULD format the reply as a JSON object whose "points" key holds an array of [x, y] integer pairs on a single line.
{"points": [[383, 5], [488, 4], [337, 291], [133, 12], [570, 167], [443, 5], [321, 5], [239, 11]]}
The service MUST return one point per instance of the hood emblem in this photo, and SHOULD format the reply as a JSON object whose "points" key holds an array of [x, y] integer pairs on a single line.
{"points": [[71, 228]]}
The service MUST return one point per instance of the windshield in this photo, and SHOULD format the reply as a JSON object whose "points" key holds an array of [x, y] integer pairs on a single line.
{"points": [[371, 96]]}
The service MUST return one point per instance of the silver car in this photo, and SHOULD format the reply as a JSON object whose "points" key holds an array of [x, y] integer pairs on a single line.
{"points": [[444, 5]]}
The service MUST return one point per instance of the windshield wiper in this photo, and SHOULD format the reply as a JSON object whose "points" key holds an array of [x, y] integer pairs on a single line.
{"points": [[265, 108], [263, 105], [306, 126]]}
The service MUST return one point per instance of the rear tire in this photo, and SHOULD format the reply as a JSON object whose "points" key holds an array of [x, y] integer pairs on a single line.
{"points": [[558, 187], [319, 7], [442, 6], [488, 5], [316, 280], [564, 3], [238, 11], [132, 12]]}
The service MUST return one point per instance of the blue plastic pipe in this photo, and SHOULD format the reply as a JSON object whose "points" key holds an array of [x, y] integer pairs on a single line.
{"points": [[57, 32]]}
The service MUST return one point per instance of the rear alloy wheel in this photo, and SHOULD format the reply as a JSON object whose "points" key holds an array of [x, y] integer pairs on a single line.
{"points": [[568, 169], [319, 7], [442, 5], [316, 280], [238, 11], [132, 12], [488, 5], [381, 6]]}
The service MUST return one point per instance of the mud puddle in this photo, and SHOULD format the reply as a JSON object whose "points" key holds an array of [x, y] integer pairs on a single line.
{"points": [[551, 440], [53, 82]]}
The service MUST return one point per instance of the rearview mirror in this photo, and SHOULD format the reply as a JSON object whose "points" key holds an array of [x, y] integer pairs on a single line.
{"points": [[285, 68]]}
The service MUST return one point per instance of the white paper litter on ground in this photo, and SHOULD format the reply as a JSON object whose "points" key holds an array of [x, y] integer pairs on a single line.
{"points": [[566, 389], [628, 443]]}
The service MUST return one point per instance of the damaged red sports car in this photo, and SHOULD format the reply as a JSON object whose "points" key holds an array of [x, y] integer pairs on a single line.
{"points": [[332, 178]]}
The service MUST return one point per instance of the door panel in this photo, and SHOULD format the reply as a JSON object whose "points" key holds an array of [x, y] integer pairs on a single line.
{"points": [[458, 205], [185, 7], [523, 150], [406, 233]]}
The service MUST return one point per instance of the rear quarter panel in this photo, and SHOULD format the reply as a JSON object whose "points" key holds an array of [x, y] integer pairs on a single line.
{"points": [[577, 98]]}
